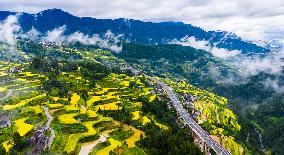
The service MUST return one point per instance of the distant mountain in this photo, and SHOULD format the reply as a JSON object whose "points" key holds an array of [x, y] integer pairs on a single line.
{"points": [[274, 44], [133, 30]]}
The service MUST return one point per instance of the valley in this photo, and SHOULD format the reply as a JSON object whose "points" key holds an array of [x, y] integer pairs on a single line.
{"points": [[82, 85], [71, 110]]}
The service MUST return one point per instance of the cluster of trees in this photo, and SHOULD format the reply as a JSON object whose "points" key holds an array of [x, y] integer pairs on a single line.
{"points": [[270, 116], [175, 140]]}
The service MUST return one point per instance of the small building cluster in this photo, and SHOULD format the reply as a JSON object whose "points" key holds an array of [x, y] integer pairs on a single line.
{"points": [[15, 70], [157, 88], [48, 44], [4, 121], [188, 101], [130, 69], [39, 141]]}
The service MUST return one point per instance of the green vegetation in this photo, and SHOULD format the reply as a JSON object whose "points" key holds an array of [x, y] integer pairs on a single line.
{"points": [[86, 98], [176, 62], [257, 107], [213, 115]]}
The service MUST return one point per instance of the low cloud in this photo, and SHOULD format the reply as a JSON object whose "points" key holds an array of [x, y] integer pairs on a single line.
{"points": [[32, 34], [247, 66], [274, 84], [205, 45], [55, 35], [8, 29], [107, 41], [272, 64]]}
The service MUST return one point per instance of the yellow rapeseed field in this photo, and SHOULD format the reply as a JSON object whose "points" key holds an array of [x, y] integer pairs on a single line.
{"points": [[91, 113], [145, 120], [152, 98], [29, 74], [161, 126], [3, 74], [54, 106], [92, 100], [37, 109], [104, 90], [55, 98], [138, 104], [74, 99], [22, 102], [8, 145], [73, 139], [133, 139], [109, 106], [22, 127], [136, 115], [68, 118], [2, 89], [113, 145]]}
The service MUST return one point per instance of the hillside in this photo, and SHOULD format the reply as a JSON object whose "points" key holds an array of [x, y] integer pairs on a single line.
{"points": [[252, 101], [198, 67], [86, 85], [89, 99]]}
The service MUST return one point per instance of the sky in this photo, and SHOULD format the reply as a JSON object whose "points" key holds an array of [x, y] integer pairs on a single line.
{"points": [[250, 19]]}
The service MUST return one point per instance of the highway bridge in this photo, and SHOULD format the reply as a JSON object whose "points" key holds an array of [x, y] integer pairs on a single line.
{"points": [[190, 122]]}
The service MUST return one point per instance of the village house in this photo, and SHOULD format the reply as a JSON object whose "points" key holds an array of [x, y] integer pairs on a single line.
{"points": [[4, 121], [39, 140], [15, 70]]}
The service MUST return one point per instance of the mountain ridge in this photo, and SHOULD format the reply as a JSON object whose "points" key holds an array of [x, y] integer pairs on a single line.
{"points": [[133, 30]]}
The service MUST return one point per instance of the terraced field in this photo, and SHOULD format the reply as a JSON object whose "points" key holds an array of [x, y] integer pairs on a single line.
{"points": [[81, 117], [20, 101], [95, 108]]}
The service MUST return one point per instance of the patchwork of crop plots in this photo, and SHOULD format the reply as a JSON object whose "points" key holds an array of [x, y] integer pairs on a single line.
{"points": [[78, 118], [20, 101]]}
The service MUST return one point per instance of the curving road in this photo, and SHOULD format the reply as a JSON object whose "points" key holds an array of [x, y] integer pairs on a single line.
{"points": [[49, 120], [190, 122], [86, 149]]}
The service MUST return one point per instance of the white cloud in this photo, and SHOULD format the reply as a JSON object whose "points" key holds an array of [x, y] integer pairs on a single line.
{"points": [[253, 20], [55, 35], [272, 64], [108, 41], [8, 29], [247, 66], [191, 41], [204, 45], [223, 53], [32, 34], [274, 84], [250, 66]]}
